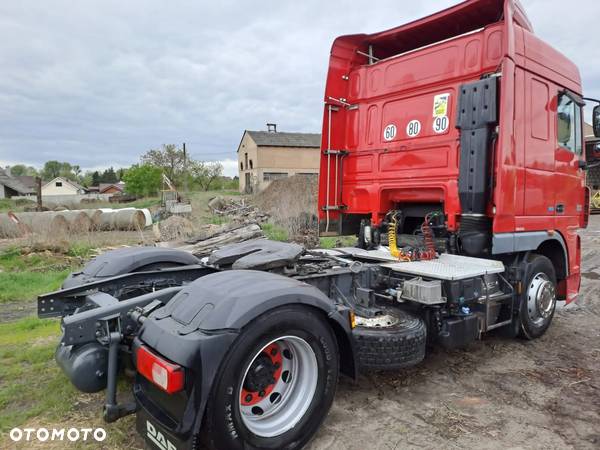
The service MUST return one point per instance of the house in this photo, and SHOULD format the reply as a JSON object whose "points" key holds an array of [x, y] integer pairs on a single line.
{"points": [[264, 156], [111, 188], [11, 186], [62, 186]]}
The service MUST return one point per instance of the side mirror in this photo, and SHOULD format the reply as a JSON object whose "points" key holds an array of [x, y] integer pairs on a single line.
{"points": [[596, 120]]}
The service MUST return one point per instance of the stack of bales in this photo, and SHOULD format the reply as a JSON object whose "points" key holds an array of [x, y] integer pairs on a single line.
{"points": [[55, 223]]}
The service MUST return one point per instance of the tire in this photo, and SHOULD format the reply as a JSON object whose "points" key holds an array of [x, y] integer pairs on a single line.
{"points": [[538, 301], [399, 343], [231, 420]]}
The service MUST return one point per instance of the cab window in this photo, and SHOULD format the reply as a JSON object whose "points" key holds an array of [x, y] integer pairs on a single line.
{"points": [[569, 124]]}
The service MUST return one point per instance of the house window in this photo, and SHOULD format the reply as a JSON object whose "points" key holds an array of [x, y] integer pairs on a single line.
{"points": [[58, 184], [270, 176], [246, 159], [241, 166], [568, 130], [251, 165]]}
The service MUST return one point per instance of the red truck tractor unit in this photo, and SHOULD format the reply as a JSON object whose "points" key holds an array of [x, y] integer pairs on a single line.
{"points": [[465, 118], [452, 148]]}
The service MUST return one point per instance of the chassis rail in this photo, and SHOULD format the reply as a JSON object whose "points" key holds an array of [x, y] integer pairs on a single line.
{"points": [[65, 302]]}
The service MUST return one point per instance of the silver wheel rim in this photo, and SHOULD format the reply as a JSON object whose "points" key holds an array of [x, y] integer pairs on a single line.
{"points": [[278, 386], [541, 298]]}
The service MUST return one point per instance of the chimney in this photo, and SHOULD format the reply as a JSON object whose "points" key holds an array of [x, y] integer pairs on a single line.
{"points": [[272, 127]]}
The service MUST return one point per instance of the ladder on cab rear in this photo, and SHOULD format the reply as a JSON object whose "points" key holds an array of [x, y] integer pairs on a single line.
{"points": [[338, 154]]}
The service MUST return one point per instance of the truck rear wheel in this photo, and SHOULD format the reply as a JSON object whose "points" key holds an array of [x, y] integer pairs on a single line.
{"points": [[538, 301], [276, 385]]}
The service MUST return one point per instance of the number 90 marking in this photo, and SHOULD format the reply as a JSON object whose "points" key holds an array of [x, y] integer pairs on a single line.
{"points": [[440, 124]]}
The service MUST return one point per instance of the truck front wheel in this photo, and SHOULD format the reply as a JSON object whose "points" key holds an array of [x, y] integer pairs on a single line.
{"points": [[539, 297], [276, 385]]}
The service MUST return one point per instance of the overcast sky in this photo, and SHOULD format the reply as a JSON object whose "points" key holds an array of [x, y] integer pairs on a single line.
{"points": [[97, 83]]}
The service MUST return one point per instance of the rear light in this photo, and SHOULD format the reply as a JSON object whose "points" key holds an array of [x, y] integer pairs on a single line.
{"points": [[586, 206], [166, 375]]}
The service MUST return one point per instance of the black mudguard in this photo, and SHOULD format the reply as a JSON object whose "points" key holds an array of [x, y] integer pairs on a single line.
{"points": [[127, 260], [199, 325]]}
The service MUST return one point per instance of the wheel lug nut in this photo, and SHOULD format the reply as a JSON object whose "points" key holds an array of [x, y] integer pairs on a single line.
{"points": [[277, 365], [248, 398], [273, 351], [261, 393]]}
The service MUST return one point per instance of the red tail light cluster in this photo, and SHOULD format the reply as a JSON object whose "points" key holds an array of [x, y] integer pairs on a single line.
{"points": [[166, 375], [586, 207]]}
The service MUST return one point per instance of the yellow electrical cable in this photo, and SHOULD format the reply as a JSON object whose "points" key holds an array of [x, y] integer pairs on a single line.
{"points": [[394, 250]]}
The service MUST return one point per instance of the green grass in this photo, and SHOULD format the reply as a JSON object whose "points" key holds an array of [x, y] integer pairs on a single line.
{"points": [[12, 260], [337, 241], [81, 250], [33, 389], [217, 220], [6, 204], [25, 276], [31, 382], [28, 285], [275, 232], [141, 203]]}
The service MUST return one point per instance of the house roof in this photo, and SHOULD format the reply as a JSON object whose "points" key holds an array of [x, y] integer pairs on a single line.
{"points": [[65, 180], [13, 183], [277, 139], [104, 186], [28, 181]]}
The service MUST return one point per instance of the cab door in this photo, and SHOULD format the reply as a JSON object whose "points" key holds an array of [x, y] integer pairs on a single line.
{"points": [[539, 162], [570, 194]]}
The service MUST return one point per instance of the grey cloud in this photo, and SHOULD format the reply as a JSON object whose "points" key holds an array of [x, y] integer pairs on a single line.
{"points": [[99, 82]]}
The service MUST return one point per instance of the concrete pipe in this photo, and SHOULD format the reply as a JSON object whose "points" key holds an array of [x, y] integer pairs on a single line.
{"points": [[147, 215]]}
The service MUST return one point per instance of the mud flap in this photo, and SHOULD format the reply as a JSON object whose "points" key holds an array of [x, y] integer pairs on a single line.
{"points": [[156, 436]]}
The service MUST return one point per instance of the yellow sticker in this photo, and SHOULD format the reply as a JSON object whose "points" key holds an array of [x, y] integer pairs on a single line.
{"points": [[440, 105]]}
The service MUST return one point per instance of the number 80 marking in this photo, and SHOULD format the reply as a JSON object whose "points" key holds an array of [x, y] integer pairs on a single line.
{"points": [[413, 128]]}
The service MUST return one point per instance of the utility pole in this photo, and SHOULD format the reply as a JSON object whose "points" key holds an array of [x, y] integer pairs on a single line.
{"points": [[185, 174], [38, 191]]}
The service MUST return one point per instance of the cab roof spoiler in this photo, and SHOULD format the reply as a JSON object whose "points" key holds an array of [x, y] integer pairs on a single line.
{"points": [[466, 17]]}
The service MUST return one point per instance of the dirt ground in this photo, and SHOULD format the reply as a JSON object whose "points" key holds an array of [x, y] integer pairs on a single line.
{"points": [[497, 394]]}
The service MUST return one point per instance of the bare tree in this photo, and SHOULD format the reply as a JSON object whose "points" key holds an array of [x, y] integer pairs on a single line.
{"points": [[169, 158], [205, 173]]}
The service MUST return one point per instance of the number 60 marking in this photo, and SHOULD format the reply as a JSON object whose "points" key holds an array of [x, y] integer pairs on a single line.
{"points": [[389, 132]]}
